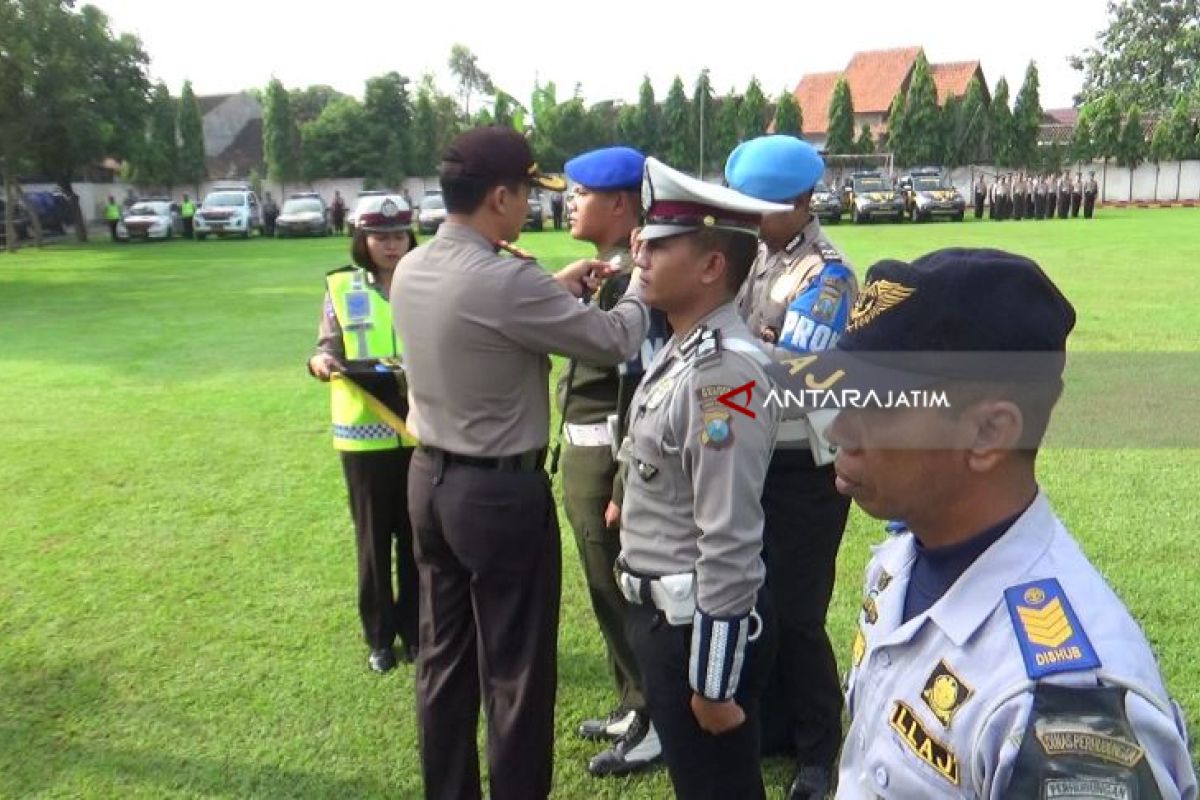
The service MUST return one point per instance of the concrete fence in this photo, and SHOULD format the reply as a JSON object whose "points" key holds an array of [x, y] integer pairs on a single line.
{"points": [[1168, 182]]}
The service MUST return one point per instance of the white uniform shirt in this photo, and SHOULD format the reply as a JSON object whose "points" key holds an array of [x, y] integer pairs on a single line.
{"points": [[906, 741]]}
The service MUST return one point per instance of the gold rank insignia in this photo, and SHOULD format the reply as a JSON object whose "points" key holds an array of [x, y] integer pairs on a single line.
{"points": [[884, 580], [717, 431], [858, 648], [876, 298], [945, 692]]}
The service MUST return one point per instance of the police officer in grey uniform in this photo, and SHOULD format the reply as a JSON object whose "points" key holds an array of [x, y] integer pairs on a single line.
{"points": [[478, 327], [696, 457], [991, 659], [805, 514]]}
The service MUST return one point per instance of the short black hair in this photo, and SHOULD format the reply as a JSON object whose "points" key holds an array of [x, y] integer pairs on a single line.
{"points": [[464, 194], [361, 256], [739, 248]]}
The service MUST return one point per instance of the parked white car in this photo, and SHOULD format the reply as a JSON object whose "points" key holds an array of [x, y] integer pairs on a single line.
{"points": [[432, 213], [149, 219], [228, 212], [302, 216]]}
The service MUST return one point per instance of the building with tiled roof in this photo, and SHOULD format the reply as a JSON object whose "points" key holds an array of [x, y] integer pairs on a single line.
{"points": [[875, 77], [232, 134]]}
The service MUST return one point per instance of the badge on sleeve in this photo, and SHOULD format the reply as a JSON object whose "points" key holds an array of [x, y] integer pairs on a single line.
{"points": [[717, 429], [1048, 632]]}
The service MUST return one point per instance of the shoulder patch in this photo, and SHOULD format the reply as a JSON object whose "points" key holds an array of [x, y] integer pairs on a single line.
{"points": [[716, 432], [1048, 632]]}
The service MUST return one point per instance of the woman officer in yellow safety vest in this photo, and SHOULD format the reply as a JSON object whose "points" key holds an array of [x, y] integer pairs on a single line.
{"points": [[356, 325]]}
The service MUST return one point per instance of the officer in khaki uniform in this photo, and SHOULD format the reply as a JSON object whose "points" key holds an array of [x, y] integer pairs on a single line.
{"points": [[696, 457], [604, 209], [991, 660], [478, 329], [797, 299], [1090, 191]]}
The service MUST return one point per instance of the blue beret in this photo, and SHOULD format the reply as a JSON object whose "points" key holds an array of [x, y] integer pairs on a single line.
{"points": [[775, 168], [607, 169]]}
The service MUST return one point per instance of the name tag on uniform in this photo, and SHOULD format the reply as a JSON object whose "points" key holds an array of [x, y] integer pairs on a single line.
{"points": [[358, 305]]}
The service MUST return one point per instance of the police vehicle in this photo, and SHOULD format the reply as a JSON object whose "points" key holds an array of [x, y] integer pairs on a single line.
{"points": [[825, 204], [150, 218], [928, 193], [229, 210], [872, 197]]}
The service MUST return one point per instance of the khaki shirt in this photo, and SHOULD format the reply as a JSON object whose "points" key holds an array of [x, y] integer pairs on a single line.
{"points": [[477, 330], [694, 468], [776, 279]]}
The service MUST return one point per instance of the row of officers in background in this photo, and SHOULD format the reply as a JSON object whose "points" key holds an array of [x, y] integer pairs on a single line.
{"points": [[989, 660], [1023, 195]]}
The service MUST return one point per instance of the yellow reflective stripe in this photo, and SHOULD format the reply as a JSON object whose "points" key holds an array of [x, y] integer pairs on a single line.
{"points": [[383, 412]]}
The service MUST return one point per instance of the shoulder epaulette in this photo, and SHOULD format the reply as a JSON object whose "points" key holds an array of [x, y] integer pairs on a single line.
{"points": [[828, 252], [347, 268], [1048, 632], [701, 346], [509, 247]]}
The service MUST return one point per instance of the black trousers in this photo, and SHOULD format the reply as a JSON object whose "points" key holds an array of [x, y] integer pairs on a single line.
{"points": [[490, 563], [1018, 206], [805, 520], [1076, 199], [702, 766], [1064, 205], [376, 483], [979, 206], [1039, 206], [1089, 205], [112, 229], [189, 227]]}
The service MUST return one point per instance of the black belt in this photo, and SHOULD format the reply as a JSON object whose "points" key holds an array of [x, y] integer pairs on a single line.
{"points": [[529, 461]]}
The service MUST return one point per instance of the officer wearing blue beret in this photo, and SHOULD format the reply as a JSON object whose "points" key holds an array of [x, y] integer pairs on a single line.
{"points": [[604, 209], [991, 659], [798, 298]]}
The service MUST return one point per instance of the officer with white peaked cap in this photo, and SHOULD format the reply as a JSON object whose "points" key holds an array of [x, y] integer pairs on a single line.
{"points": [[695, 458]]}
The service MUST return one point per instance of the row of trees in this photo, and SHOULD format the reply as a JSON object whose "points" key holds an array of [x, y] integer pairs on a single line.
{"points": [[71, 94], [394, 131]]}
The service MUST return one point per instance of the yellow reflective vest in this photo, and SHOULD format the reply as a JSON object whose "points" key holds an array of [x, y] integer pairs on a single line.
{"points": [[365, 317], [112, 212]]}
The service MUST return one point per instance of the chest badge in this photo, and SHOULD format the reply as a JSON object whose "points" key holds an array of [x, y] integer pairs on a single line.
{"points": [[870, 609], [945, 693], [659, 392]]}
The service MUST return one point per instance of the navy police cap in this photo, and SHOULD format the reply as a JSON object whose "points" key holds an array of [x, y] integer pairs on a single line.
{"points": [[607, 169], [776, 168]]}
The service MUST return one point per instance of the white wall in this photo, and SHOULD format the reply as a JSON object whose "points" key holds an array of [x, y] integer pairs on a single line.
{"points": [[1176, 181]]}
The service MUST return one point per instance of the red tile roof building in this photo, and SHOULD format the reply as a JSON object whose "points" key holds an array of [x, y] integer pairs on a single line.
{"points": [[875, 78]]}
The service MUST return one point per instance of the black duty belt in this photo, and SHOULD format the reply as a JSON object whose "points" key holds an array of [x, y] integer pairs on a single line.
{"points": [[529, 461]]}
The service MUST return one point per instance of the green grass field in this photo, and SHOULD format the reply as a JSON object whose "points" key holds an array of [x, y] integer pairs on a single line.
{"points": [[177, 612]]}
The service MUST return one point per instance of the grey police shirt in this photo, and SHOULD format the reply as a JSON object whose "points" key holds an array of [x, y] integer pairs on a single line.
{"points": [[776, 279], [694, 467], [477, 329]]}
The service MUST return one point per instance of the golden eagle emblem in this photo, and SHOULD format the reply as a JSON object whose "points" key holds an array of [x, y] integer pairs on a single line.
{"points": [[876, 298]]}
